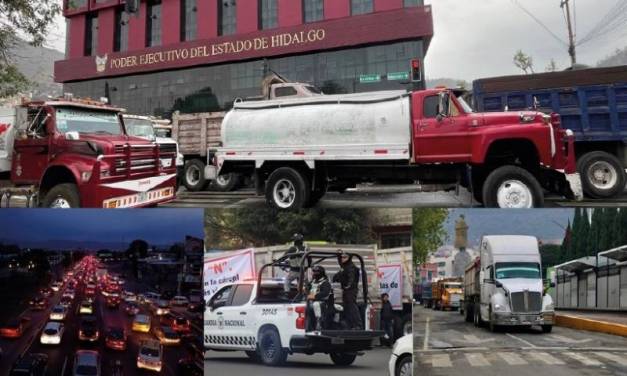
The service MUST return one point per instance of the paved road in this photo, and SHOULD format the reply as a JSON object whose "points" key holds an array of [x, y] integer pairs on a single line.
{"points": [[445, 344], [61, 357], [372, 363]]}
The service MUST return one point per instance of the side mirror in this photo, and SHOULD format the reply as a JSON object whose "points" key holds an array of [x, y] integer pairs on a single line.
{"points": [[72, 136], [498, 284], [442, 105]]}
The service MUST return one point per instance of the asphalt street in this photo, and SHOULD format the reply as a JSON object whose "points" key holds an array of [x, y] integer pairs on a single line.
{"points": [[61, 357], [444, 344], [368, 197], [372, 363]]}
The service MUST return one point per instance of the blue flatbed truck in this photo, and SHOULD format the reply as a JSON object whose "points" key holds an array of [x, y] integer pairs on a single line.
{"points": [[592, 103]]}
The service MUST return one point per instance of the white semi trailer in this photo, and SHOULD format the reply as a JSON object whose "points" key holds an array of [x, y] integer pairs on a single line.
{"points": [[503, 287]]}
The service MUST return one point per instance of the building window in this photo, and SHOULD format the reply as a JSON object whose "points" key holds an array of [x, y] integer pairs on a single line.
{"points": [[227, 17], [361, 6], [188, 19], [313, 10], [413, 3], [395, 240], [75, 4], [91, 35], [267, 14], [120, 42], [153, 23]]}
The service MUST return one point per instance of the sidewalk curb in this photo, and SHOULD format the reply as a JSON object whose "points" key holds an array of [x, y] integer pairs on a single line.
{"points": [[580, 323]]}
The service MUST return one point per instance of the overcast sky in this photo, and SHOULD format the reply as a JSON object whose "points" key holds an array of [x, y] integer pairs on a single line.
{"points": [[478, 38]]}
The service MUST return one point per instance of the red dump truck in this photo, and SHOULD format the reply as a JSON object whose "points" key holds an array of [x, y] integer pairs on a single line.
{"points": [[296, 149], [70, 153]]}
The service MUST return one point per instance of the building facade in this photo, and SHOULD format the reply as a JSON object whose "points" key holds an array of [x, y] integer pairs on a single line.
{"points": [[201, 55]]}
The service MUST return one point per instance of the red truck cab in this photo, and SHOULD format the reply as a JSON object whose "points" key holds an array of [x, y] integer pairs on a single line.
{"points": [[76, 153]]}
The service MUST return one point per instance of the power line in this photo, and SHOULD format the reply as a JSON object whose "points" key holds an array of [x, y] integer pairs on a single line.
{"points": [[615, 18], [539, 22]]}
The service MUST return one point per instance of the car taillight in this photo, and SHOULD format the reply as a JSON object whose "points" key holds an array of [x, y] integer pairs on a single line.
{"points": [[300, 320]]}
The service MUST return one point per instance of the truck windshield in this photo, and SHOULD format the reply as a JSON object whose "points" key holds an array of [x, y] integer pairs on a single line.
{"points": [[140, 128], [87, 121], [517, 270]]}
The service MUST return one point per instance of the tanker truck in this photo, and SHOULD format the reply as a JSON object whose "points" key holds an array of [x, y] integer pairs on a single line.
{"points": [[70, 153], [297, 149], [503, 287]]}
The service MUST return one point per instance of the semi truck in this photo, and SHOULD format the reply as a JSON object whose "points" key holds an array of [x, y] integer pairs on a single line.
{"points": [[592, 104], [503, 287], [69, 153], [297, 149], [446, 294]]}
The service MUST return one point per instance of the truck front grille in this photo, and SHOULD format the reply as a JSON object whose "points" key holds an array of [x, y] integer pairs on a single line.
{"points": [[526, 301], [135, 159]]}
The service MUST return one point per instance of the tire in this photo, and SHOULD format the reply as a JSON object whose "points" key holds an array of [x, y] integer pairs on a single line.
{"points": [[468, 313], [404, 367], [478, 179], [477, 316], [270, 351], [287, 189], [194, 175], [491, 325], [225, 183], [602, 175], [547, 328], [252, 355], [512, 187], [62, 196], [343, 359]]}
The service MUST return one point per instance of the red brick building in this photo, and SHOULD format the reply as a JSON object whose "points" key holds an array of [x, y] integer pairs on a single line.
{"points": [[200, 55]]}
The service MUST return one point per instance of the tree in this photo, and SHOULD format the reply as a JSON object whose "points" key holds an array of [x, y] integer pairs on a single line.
{"points": [[567, 245], [231, 229], [550, 254], [428, 233], [30, 19], [552, 67], [524, 62]]}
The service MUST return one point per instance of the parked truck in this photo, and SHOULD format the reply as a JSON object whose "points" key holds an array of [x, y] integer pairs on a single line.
{"points": [[503, 287], [400, 256], [446, 294], [297, 149], [198, 132], [592, 104], [70, 153]]}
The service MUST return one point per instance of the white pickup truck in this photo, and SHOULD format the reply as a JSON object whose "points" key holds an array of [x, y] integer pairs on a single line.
{"points": [[257, 317]]}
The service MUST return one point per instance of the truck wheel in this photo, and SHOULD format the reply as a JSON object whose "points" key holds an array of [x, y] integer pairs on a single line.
{"points": [[468, 312], [287, 189], [547, 328], [270, 350], [404, 367], [491, 325], [343, 359], [477, 316], [602, 174], [225, 183], [512, 187], [62, 196], [252, 355], [194, 175]]}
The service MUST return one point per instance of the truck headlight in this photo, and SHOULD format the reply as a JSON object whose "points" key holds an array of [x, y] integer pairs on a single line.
{"points": [[499, 308]]}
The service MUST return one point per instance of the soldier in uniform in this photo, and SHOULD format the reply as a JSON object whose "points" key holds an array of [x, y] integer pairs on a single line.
{"points": [[348, 277], [319, 298], [294, 256]]}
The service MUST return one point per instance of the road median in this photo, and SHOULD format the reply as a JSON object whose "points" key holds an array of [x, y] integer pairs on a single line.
{"points": [[590, 324]]}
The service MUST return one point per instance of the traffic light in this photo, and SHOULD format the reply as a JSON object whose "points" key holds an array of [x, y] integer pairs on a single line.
{"points": [[416, 70]]}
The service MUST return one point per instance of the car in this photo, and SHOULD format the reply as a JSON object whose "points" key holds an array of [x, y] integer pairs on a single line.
{"points": [[52, 333], [141, 323], [58, 312], [38, 303], [400, 363], [149, 355], [86, 307], [196, 304], [161, 307], [70, 293], [86, 363], [113, 301], [131, 309], [116, 338], [56, 286], [88, 329], [149, 297], [181, 325], [14, 328], [65, 301], [179, 301], [167, 335], [30, 364], [129, 297]]}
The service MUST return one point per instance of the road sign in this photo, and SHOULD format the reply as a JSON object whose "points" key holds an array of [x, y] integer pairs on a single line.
{"points": [[398, 76], [368, 78]]}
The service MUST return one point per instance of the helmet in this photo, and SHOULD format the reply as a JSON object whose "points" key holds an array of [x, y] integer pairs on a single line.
{"points": [[318, 271], [298, 237]]}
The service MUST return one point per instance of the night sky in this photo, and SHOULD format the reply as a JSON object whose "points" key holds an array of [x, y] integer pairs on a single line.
{"points": [[87, 228]]}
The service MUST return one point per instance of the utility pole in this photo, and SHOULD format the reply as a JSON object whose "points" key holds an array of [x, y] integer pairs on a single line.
{"points": [[571, 36]]}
